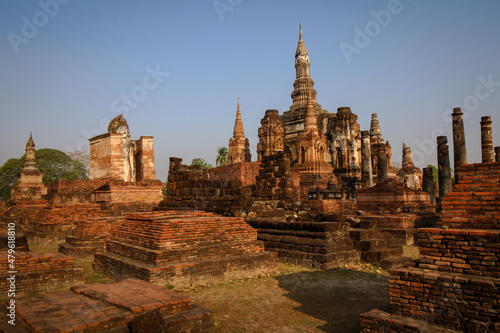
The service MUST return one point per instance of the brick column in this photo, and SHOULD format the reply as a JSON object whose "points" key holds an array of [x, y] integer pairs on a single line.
{"points": [[497, 154], [382, 167], [444, 172], [486, 140], [366, 160], [428, 184], [459, 151]]}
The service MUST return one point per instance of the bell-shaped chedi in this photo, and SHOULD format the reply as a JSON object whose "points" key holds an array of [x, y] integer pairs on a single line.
{"points": [[239, 147]]}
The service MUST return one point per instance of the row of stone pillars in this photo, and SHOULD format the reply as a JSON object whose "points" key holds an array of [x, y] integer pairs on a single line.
{"points": [[460, 154]]}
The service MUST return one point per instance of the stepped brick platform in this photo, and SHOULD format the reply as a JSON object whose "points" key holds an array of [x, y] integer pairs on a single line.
{"points": [[456, 282], [109, 307], [39, 272], [391, 194], [376, 247], [324, 245], [401, 227], [90, 236], [184, 249]]}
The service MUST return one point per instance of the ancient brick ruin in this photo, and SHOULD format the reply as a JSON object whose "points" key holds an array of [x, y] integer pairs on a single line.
{"points": [[184, 249], [324, 245], [321, 194], [36, 272], [122, 178], [29, 186], [128, 304], [455, 284], [90, 236], [239, 146]]}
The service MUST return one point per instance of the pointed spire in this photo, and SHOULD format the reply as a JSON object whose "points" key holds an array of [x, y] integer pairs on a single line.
{"points": [[375, 132], [301, 47], [238, 124], [30, 142], [311, 122], [30, 159]]}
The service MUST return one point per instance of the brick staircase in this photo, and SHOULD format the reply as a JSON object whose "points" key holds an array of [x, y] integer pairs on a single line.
{"points": [[89, 236], [375, 247], [455, 284]]}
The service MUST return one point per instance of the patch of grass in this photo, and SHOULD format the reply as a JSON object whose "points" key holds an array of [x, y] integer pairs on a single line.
{"points": [[50, 247], [299, 299], [411, 251], [90, 275]]}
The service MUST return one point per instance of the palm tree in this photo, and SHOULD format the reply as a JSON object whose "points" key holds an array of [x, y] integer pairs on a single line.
{"points": [[222, 153]]}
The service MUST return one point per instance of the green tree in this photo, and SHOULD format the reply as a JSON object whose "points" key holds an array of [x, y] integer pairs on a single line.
{"points": [[54, 164], [8, 176], [222, 156], [201, 162], [434, 172]]}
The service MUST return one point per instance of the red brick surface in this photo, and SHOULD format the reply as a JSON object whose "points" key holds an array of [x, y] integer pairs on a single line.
{"points": [[37, 272], [456, 282], [243, 171], [391, 194], [184, 249], [99, 307], [474, 202]]}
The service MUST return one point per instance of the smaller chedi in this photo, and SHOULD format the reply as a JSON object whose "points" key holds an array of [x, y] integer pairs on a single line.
{"points": [[29, 185], [409, 174], [239, 146], [114, 156]]}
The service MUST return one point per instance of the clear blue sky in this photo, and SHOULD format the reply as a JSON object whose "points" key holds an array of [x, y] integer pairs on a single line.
{"points": [[65, 79]]}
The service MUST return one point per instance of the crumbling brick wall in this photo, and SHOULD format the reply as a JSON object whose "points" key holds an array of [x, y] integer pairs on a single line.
{"points": [[246, 172], [192, 187], [40, 272], [474, 202], [392, 195], [72, 191], [274, 181], [456, 281], [324, 245]]}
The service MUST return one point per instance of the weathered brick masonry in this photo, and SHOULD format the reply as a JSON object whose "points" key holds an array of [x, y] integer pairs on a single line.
{"points": [[184, 249], [392, 195], [324, 245], [39, 272], [193, 187], [105, 307], [42, 223], [90, 236], [475, 200], [456, 282]]}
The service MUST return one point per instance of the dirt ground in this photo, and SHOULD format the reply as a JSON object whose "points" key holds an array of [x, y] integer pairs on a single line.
{"points": [[297, 300]]}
